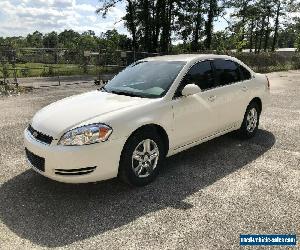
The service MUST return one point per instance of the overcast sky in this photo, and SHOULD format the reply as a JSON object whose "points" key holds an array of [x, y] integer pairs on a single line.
{"points": [[20, 17]]}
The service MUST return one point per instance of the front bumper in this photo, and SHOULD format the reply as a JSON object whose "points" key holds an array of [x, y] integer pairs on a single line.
{"points": [[102, 158]]}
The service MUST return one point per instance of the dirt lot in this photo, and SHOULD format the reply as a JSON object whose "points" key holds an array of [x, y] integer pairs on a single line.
{"points": [[203, 199]]}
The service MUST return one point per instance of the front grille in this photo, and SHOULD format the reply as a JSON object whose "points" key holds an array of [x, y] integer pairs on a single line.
{"points": [[78, 171], [40, 136], [35, 160]]}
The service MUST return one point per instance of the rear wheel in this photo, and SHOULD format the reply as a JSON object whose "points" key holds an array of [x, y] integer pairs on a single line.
{"points": [[141, 158], [250, 123]]}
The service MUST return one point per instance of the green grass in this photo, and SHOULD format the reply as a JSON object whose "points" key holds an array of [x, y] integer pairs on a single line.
{"points": [[261, 63], [40, 69]]}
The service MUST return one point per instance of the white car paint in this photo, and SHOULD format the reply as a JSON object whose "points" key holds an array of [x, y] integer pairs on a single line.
{"points": [[187, 121]]}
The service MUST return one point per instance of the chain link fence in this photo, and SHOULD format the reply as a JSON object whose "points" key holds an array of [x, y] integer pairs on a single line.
{"points": [[101, 65], [59, 62]]}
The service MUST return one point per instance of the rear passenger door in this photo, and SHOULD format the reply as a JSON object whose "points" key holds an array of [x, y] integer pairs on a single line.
{"points": [[230, 96]]}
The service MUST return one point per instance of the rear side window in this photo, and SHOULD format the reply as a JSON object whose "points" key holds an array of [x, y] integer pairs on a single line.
{"points": [[201, 74], [246, 75], [227, 72]]}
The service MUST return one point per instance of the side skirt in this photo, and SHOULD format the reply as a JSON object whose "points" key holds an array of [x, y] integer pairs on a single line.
{"points": [[199, 141]]}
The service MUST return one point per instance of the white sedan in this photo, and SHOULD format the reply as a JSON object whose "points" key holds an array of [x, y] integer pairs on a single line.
{"points": [[153, 109]]}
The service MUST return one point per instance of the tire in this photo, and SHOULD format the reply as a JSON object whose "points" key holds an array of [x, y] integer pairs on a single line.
{"points": [[250, 122], [138, 167]]}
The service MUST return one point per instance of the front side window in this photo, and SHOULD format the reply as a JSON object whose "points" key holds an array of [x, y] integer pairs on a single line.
{"points": [[200, 74], [227, 72], [150, 79]]}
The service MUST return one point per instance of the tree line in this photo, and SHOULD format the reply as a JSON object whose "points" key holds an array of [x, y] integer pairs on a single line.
{"points": [[70, 40], [257, 25], [154, 26]]}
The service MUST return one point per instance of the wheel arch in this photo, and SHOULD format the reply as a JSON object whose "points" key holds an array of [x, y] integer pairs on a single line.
{"points": [[159, 129]]}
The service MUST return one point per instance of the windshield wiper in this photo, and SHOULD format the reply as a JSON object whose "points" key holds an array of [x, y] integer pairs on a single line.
{"points": [[124, 93], [118, 92]]}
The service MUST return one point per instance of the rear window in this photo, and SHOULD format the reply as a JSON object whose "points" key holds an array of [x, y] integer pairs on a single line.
{"points": [[246, 75]]}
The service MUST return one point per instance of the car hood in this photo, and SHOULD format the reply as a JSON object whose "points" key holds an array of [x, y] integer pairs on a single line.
{"points": [[65, 114]]}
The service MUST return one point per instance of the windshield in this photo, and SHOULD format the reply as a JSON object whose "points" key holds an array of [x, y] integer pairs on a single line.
{"points": [[150, 79]]}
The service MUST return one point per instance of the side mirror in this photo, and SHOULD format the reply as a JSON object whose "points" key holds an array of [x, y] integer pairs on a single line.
{"points": [[190, 89]]}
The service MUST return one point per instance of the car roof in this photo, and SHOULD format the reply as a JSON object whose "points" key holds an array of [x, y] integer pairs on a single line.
{"points": [[186, 57]]}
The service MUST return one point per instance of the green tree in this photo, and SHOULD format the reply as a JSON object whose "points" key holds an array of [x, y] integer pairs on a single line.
{"points": [[51, 40], [69, 39], [35, 39], [149, 22], [87, 42], [116, 40], [212, 13], [282, 8]]}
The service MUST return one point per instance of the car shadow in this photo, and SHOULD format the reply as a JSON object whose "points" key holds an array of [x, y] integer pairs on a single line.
{"points": [[54, 214]]}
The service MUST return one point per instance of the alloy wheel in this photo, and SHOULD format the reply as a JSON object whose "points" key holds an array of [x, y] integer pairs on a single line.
{"points": [[144, 158], [252, 118]]}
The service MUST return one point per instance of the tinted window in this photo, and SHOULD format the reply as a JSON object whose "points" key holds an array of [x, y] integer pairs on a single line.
{"points": [[200, 74], [245, 73], [226, 72]]}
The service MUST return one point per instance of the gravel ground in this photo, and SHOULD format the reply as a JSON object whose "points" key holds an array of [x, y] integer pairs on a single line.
{"points": [[204, 198]]}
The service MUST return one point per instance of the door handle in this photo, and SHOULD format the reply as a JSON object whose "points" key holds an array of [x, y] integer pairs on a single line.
{"points": [[244, 88], [212, 98]]}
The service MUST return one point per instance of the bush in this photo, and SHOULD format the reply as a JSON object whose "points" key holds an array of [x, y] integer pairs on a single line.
{"points": [[296, 61], [4, 70], [268, 62], [297, 43], [51, 71], [84, 67], [48, 71], [25, 72]]}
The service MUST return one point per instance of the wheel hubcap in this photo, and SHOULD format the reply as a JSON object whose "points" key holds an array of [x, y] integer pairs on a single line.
{"points": [[144, 158], [251, 120]]}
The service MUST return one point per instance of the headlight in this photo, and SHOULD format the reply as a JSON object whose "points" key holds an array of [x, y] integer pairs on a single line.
{"points": [[86, 135]]}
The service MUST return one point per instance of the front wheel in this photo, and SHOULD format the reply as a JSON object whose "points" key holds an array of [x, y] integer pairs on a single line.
{"points": [[250, 123], [141, 158]]}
